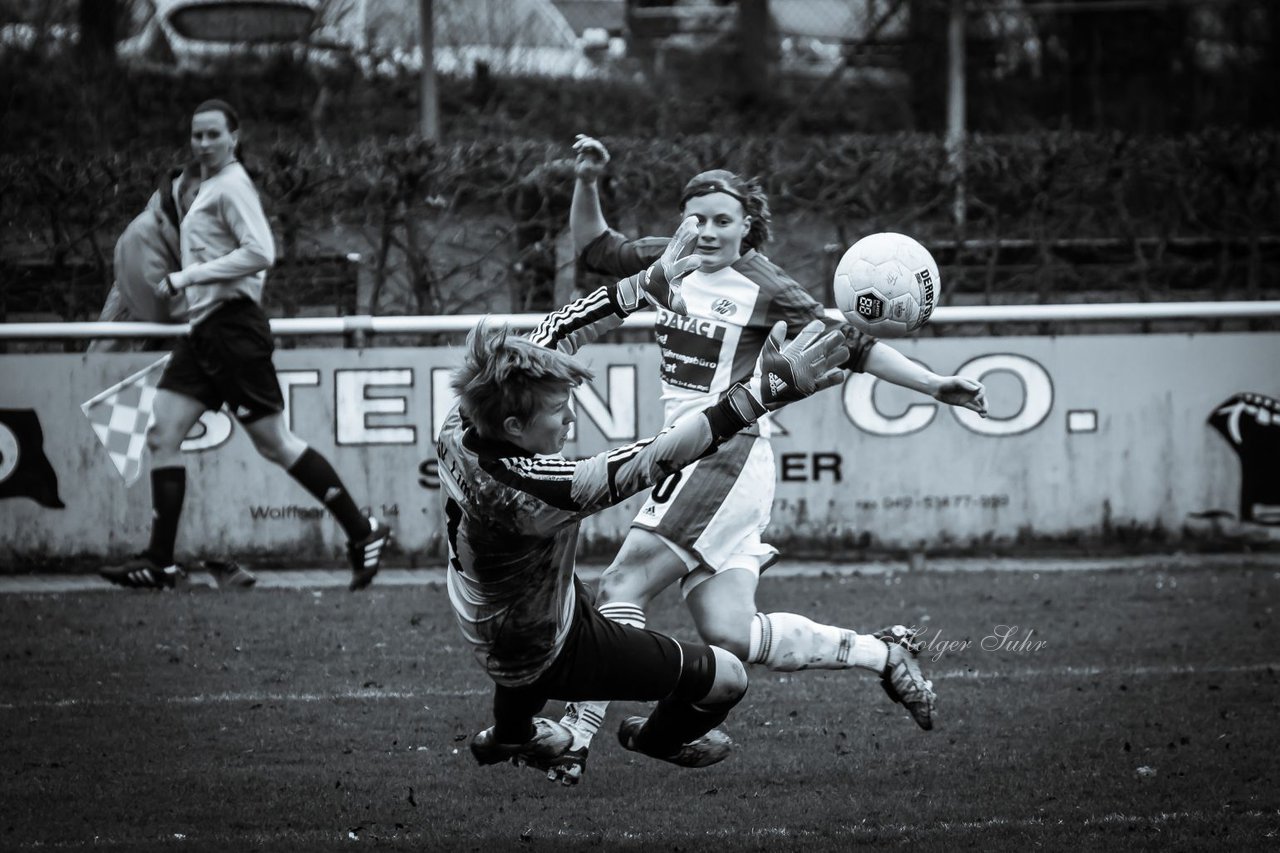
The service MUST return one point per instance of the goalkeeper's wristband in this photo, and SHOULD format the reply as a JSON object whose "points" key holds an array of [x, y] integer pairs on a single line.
{"points": [[629, 293], [737, 410]]}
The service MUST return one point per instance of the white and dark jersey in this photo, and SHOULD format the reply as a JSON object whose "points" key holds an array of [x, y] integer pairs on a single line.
{"points": [[512, 517], [731, 312]]}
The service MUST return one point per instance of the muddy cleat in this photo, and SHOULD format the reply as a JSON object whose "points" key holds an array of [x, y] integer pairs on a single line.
{"points": [[550, 741], [142, 572], [230, 574], [907, 686], [366, 554], [569, 768], [901, 635], [711, 748]]}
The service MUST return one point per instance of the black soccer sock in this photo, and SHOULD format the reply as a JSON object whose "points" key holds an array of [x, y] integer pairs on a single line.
{"points": [[317, 476], [513, 712], [168, 488], [675, 722]]}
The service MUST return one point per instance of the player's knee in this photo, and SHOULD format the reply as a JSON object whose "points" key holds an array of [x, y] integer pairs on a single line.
{"points": [[619, 584], [643, 567], [728, 632], [279, 446], [710, 676], [162, 437], [272, 451], [730, 683]]}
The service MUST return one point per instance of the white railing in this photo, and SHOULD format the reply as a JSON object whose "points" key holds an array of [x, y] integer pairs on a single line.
{"points": [[363, 324]]}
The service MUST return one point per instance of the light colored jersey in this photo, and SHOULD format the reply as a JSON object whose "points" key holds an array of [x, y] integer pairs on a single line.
{"points": [[226, 242], [512, 517], [731, 312]]}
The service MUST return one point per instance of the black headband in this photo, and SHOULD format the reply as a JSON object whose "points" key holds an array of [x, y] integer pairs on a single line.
{"points": [[709, 186]]}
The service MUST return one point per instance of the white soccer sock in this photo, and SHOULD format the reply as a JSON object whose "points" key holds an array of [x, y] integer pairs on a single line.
{"points": [[587, 717], [787, 642]]}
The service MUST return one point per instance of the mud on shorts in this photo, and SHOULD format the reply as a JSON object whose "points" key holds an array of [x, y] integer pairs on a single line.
{"points": [[227, 359], [606, 660], [712, 513]]}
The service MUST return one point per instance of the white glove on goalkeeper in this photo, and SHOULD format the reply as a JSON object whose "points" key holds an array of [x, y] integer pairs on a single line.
{"points": [[660, 283], [807, 364]]}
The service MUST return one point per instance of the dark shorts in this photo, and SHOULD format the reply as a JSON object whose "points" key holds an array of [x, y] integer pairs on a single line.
{"points": [[606, 660], [227, 359]]}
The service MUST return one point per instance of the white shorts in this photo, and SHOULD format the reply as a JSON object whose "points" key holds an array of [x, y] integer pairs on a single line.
{"points": [[713, 512]]}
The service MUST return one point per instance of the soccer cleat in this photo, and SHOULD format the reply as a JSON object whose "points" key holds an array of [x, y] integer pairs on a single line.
{"points": [[230, 574], [901, 635], [569, 768], [711, 748], [142, 572], [366, 554], [550, 741], [907, 686]]}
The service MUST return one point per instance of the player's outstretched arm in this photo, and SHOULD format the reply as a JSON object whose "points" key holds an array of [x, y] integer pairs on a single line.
{"points": [[885, 362], [575, 489], [586, 218]]}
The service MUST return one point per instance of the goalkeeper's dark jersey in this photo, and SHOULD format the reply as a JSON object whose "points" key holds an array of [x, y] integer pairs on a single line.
{"points": [[731, 312], [512, 517]]}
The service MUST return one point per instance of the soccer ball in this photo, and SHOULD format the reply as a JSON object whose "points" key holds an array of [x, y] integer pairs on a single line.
{"points": [[887, 285]]}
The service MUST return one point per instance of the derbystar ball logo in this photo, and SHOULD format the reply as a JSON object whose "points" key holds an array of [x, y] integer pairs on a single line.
{"points": [[926, 287]]}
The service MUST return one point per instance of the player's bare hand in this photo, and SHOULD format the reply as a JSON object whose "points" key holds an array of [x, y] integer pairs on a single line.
{"points": [[591, 158], [962, 391]]}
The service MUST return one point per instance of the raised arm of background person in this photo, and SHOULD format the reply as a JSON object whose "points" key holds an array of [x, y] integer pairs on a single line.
{"points": [[586, 218], [885, 362], [602, 249], [239, 208]]}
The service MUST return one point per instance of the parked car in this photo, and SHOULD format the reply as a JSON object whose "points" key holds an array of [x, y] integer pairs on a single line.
{"points": [[194, 35]]}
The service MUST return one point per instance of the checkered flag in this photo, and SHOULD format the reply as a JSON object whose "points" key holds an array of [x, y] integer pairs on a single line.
{"points": [[120, 415]]}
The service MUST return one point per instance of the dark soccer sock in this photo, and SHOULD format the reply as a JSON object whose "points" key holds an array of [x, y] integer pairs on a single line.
{"points": [[317, 476], [676, 722], [168, 488], [513, 713]]}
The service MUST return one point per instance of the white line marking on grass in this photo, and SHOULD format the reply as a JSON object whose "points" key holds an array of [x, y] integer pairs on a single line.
{"points": [[1004, 823], [857, 832], [362, 695], [304, 578], [1094, 671], [378, 695]]}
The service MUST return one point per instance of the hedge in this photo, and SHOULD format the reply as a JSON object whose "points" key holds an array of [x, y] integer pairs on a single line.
{"points": [[461, 211]]}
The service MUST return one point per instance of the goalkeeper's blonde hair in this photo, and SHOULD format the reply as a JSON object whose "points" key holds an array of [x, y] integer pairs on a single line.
{"points": [[505, 375]]}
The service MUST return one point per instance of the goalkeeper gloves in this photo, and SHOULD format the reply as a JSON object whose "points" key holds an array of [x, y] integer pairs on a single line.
{"points": [[660, 283], [804, 366]]}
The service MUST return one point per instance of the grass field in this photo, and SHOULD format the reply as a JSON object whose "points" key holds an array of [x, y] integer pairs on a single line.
{"points": [[1149, 718]]}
